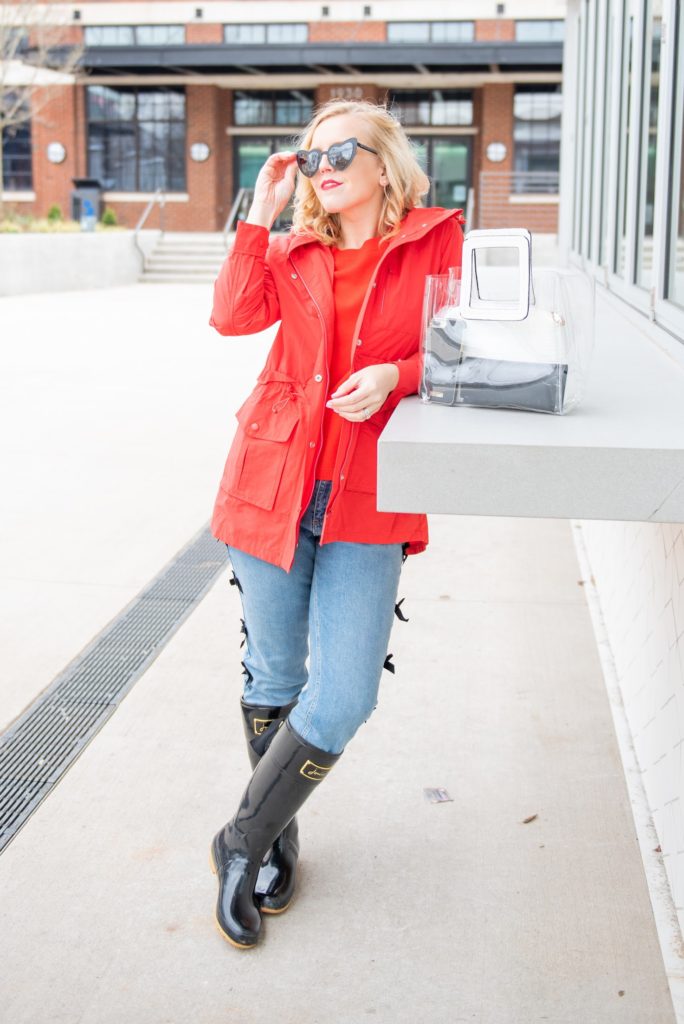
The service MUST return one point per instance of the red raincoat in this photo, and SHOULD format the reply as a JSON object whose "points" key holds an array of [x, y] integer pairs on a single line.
{"points": [[269, 476]]}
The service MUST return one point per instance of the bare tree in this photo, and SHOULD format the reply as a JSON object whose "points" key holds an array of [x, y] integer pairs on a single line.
{"points": [[36, 57]]}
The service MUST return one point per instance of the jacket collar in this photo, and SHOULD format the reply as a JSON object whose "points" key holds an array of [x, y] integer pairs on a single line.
{"points": [[415, 224]]}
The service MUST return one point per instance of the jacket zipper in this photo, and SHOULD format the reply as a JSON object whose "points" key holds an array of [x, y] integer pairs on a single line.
{"points": [[327, 384], [359, 321], [388, 250]]}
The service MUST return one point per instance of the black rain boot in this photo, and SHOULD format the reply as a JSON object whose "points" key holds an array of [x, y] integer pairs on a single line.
{"points": [[282, 780], [275, 885]]}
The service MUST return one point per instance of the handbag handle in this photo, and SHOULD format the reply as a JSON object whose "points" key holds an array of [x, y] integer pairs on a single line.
{"points": [[473, 306]]}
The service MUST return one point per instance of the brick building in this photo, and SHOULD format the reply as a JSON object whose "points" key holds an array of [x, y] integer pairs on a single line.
{"points": [[192, 98]]}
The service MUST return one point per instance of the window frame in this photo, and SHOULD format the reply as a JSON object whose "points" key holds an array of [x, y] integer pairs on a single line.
{"points": [[271, 96], [26, 124], [550, 88], [134, 29], [267, 27], [665, 310], [650, 302], [430, 32], [467, 95], [135, 120], [539, 21]]}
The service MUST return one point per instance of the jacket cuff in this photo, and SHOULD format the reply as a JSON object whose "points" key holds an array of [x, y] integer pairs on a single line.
{"points": [[409, 375], [250, 238]]}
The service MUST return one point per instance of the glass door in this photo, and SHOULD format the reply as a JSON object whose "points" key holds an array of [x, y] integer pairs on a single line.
{"points": [[446, 161], [250, 153]]}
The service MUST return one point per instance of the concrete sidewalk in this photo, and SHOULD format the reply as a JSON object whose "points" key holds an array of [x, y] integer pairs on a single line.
{"points": [[406, 911]]}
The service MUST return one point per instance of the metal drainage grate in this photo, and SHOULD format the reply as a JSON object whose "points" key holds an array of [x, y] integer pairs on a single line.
{"points": [[39, 747]]}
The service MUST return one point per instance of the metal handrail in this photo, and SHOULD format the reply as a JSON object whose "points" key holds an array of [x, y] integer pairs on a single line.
{"points": [[158, 197], [244, 195]]}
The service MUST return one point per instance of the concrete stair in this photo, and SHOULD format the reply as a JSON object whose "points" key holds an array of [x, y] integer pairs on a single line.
{"points": [[189, 257]]}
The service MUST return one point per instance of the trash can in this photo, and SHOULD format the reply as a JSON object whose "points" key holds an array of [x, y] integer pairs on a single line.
{"points": [[86, 202]]}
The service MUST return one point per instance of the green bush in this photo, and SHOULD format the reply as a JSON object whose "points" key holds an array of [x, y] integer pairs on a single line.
{"points": [[54, 213], [109, 216]]}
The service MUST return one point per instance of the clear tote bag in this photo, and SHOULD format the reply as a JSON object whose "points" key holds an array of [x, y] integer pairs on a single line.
{"points": [[507, 336]]}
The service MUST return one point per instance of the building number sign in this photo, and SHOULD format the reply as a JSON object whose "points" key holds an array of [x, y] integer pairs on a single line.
{"points": [[346, 92]]}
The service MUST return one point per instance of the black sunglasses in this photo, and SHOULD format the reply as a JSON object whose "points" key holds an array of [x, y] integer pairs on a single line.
{"points": [[340, 155]]}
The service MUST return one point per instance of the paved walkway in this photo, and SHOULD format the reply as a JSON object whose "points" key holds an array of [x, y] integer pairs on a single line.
{"points": [[116, 414]]}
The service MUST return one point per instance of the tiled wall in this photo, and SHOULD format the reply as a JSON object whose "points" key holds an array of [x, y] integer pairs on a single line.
{"points": [[639, 574]]}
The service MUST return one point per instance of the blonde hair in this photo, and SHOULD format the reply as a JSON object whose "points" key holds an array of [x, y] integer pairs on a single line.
{"points": [[407, 182]]}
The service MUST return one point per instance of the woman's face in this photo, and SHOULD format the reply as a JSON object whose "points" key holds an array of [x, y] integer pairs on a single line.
{"points": [[359, 184]]}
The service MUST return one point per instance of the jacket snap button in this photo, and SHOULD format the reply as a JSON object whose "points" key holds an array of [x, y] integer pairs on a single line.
{"points": [[358, 341], [293, 276], [341, 476], [312, 444], [318, 377], [254, 426]]}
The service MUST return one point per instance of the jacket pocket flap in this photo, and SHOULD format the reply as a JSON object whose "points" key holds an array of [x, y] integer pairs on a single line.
{"points": [[268, 374], [269, 417]]}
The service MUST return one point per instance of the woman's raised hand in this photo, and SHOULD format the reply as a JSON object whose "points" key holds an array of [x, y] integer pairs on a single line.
{"points": [[274, 185]]}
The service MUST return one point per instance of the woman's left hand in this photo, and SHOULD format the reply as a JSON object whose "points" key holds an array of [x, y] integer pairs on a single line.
{"points": [[363, 390]]}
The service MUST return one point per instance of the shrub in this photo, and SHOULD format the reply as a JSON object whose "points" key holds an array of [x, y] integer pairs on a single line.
{"points": [[54, 213], [109, 216]]}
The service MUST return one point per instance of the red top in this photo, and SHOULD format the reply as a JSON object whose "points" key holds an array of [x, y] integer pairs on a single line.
{"points": [[353, 269]]}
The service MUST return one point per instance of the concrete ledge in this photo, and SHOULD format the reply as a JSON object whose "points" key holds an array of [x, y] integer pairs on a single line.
{"points": [[46, 262], [619, 455]]}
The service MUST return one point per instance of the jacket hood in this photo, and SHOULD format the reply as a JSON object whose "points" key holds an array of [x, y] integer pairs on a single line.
{"points": [[415, 224]]}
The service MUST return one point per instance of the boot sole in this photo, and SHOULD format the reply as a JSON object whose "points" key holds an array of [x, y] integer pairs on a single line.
{"points": [[225, 935], [269, 910]]}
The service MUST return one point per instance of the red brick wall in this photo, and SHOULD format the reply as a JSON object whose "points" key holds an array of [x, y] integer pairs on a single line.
{"points": [[347, 32], [496, 122], [58, 35], [201, 33], [56, 113], [339, 91], [495, 30]]}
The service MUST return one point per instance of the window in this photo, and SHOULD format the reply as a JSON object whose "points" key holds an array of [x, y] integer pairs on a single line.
{"points": [[13, 42], [625, 169], [272, 33], [136, 137], [540, 31], [287, 33], [159, 35], [408, 32], [430, 31], [452, 31], [648, 149], [244, 34], [536, 137], [432, 107], [271, 108], [608, 58], [626, 86], [674, 270], [16, 152], [134, 35]]}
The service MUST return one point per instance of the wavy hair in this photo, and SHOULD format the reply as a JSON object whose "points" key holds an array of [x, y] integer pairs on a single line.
{"points": [[407, 182]]}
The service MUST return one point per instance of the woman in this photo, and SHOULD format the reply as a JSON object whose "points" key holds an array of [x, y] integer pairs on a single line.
{"points": [[311, 554]]}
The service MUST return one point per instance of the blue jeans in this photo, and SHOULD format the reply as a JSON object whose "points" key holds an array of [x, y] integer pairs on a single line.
{"points": [[342, 596]]}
